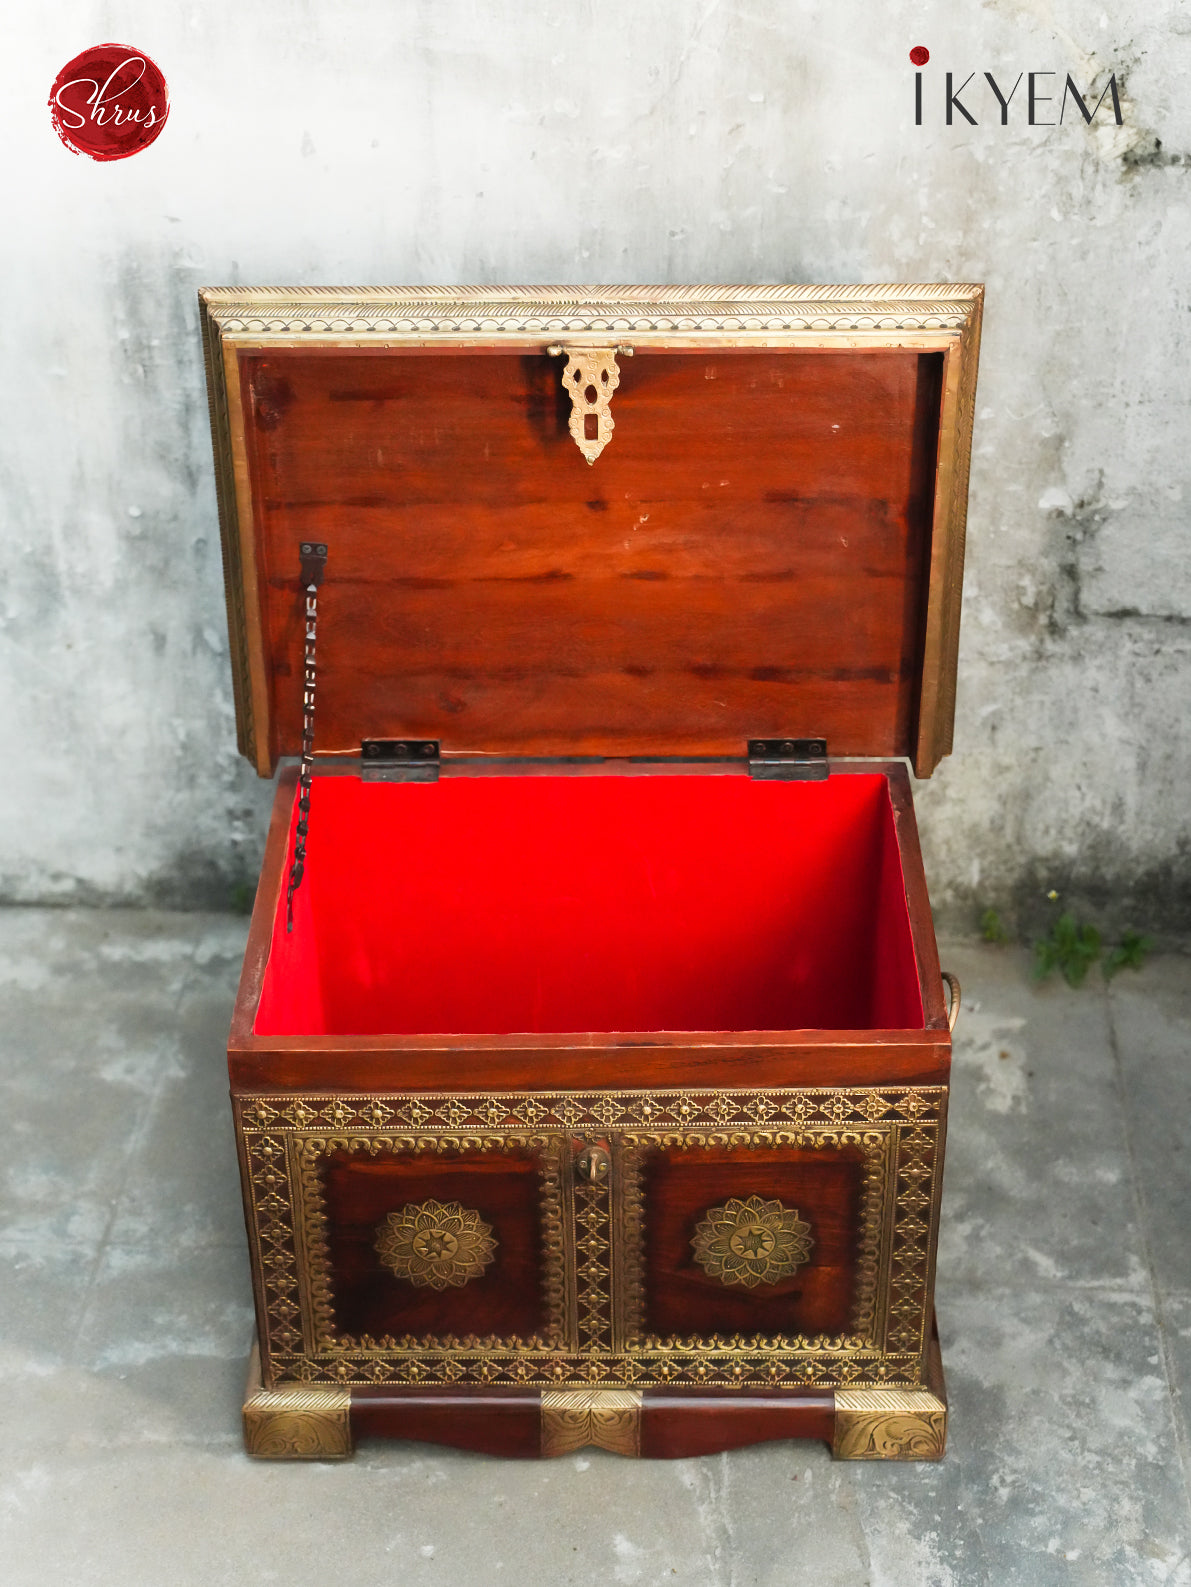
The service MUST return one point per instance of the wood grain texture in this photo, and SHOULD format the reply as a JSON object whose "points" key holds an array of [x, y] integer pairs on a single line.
{"points": [[944, 585], [748, 554], [727, 1059], [824, 1187], [680, 1424], [503, 1188], [507, 1423], [674, 1424]]}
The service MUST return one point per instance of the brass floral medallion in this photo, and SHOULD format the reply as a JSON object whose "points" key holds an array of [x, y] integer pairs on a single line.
{"points": [[751, 1242], [435, 1244]]}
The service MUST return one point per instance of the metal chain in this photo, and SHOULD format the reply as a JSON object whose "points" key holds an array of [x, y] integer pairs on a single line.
{"points": [[313, 558]]}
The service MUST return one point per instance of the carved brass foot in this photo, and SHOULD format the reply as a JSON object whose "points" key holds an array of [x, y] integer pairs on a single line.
{"points": [[893, 1424], [295, 1422], [602, 1418]]}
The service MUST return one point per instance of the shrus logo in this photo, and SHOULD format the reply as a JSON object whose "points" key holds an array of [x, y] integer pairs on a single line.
{"points": [[109, 102], [1038, 102]]}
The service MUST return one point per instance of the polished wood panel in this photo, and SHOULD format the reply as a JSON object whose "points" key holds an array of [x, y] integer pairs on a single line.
{"points": [[823, 1186], [359, 1065], [748, 556], [506, 1422], [677, 1425], [503, 1187]]}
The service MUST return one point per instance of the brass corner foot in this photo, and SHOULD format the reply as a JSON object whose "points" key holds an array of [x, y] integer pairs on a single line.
{"points": [[893, 1424], [297, 1421]]}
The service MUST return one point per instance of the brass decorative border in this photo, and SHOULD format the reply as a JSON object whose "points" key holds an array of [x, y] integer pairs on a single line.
{"points": [[879, 1148], [311, 1149], [594, 1268], [460, 1115], [628, 1292], [943, 317], [898, 1128]]}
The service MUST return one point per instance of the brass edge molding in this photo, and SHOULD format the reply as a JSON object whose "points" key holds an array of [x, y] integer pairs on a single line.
{"points": [[771, 292], [485, 311], [893, 1424], [933, 1360], [295, 1422], [604, 1418], [968, 352]]}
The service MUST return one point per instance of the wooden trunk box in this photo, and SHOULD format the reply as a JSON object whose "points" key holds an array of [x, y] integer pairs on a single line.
{"points": [[590, 1061]]}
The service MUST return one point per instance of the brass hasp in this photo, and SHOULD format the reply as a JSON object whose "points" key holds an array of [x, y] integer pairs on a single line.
{"points": [[590, 377]]}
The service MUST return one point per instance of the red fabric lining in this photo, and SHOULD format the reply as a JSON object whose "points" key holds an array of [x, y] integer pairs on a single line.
{"points": [[537, 904]]}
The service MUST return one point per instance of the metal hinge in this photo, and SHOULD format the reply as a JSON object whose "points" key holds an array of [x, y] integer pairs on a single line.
{"points": [[312, 563], [399, 760], [788, 759]]}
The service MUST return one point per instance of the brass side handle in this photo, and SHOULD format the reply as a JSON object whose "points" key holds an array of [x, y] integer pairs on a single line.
{"points": [[952, 984]]}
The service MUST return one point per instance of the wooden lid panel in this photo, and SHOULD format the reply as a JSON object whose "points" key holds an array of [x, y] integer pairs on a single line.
{"points": [[752, 555], [745, 558]]}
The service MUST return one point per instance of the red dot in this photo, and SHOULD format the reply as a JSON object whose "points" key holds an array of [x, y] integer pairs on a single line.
{"points": [[920, 55]]}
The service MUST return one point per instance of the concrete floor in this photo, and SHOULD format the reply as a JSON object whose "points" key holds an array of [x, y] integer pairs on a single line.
{"points": [[1064, 1299]]}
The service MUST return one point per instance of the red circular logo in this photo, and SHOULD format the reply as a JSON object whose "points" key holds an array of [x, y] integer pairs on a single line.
{"points": [[920, 55], [109, 102]]}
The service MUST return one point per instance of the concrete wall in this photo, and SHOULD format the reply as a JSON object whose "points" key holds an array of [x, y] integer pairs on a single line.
{"points": [[454, 141]]}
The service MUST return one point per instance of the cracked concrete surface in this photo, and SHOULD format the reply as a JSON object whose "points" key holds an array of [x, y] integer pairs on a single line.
{"points": [[609, 143], [1064, 1299]]}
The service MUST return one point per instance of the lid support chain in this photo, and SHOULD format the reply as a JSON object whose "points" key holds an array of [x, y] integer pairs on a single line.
{"points": [[312, 564]]}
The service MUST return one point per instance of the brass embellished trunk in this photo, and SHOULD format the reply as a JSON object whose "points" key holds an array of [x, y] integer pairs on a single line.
{"points": [[590, 1062]]}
